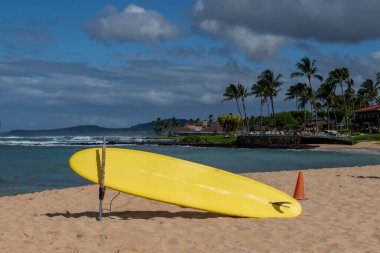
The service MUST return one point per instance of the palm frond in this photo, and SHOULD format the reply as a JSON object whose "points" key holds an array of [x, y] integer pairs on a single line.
{"points": [[319, 77], [296, 74]]}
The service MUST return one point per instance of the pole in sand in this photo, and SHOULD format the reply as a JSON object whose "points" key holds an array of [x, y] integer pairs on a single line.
{"points": [[102, 189]]}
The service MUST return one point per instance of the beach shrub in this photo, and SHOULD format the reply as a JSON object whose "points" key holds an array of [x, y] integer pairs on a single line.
{"points": [[300, 115], [286, 121], [191, 139], [230, 123], [208, 139], [218, 139], [345, 131], [339, 113], [367, 137]]}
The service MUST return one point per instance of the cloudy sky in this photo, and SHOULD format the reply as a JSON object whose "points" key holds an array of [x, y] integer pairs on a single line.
{"points": [[119, 63]]}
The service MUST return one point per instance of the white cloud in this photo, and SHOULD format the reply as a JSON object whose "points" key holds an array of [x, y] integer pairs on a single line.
{"points": [[376, 55], [134, 9], [256, 46], [199, 6], [210, 98], [348, 21], [133, 24], [142, 84]]}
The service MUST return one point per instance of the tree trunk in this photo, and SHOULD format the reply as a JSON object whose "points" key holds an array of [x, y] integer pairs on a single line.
{"points": [[245, 115], [312, 101], [274, 118], [261, 113], [304, 119], [237, 103], [328, 118], [336, 121], [345, 104]]}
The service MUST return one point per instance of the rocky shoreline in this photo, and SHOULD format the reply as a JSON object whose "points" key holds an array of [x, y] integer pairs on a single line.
{"points": [[209, 145]]}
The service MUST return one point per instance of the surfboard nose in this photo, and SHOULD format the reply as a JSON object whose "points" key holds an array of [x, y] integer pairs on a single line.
{"points": [[296, 208]]}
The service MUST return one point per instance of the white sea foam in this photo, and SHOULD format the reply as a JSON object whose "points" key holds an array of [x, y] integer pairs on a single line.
{"points": [[66, 140], [82, 138], [349, 150]]}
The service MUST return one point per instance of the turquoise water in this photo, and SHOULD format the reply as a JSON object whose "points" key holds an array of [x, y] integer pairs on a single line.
{"points": [[31, 168]]}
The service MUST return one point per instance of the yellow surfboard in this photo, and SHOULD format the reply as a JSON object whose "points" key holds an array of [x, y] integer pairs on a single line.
{"points": [[183, 183]]}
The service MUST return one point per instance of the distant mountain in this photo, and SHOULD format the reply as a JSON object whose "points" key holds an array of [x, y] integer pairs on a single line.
{"points": [[142, 127], [86, 130]]}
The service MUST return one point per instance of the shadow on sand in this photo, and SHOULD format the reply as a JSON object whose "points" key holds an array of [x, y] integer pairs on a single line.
{"points": [[146, 215], [371, 177]]}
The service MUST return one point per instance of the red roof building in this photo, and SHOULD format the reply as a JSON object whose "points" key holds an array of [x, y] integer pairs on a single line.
{"points": [[202, 128], [367, 119], [368, 109]]}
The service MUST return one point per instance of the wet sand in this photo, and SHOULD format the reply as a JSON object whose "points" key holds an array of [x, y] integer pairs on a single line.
{"points": [[364, 146]]}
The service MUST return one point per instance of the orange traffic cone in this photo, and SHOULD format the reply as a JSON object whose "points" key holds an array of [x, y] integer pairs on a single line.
{"points": [[299, 191]]}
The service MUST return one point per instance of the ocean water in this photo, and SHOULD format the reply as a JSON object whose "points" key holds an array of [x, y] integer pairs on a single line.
{"points": [[30, 164]]}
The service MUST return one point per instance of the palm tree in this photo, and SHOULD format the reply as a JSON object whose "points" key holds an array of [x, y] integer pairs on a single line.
{"points": [[362, 99], [341, 76], [158, 123], [326, 93], [173, 123], [369, 89], [302, 94], [295, 91], [307, 68], [232, 93], [291, 94], [211, 118], [259, 91], [304, 99], [243, 91], [377, 82], [272, 85]]}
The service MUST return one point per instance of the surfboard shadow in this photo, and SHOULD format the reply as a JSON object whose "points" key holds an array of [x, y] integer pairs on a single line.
{"points": [[371, 177], [145, 215]]}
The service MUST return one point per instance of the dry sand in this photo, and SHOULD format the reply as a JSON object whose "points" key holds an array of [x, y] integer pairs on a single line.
{"points": [[341, 214]]}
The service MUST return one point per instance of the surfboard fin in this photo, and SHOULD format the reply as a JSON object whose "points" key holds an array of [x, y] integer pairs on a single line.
{"points": [[281, 203]]}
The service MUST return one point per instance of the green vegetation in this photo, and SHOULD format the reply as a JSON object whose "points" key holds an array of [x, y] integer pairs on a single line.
{"points": [[321, 103], [365, 137], [208, 139], [237, 93], [165, 125], [307, 68], [285, 120], [230, 123], [225, 140], [334, 99], [218, 139]]}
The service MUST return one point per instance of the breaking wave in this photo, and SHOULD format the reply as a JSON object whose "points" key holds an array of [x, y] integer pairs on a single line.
{"points": [[69, 140]]}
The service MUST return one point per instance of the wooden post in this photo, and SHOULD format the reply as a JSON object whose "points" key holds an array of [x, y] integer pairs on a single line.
{"points": [[102, 189]]}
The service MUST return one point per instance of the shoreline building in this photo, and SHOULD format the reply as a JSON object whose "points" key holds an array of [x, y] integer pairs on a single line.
{"points": [[367, 119], [204, 127]]}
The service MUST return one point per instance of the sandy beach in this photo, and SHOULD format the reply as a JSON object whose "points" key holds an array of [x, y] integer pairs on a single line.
{"points": [[340, 214], [363, 146]]}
